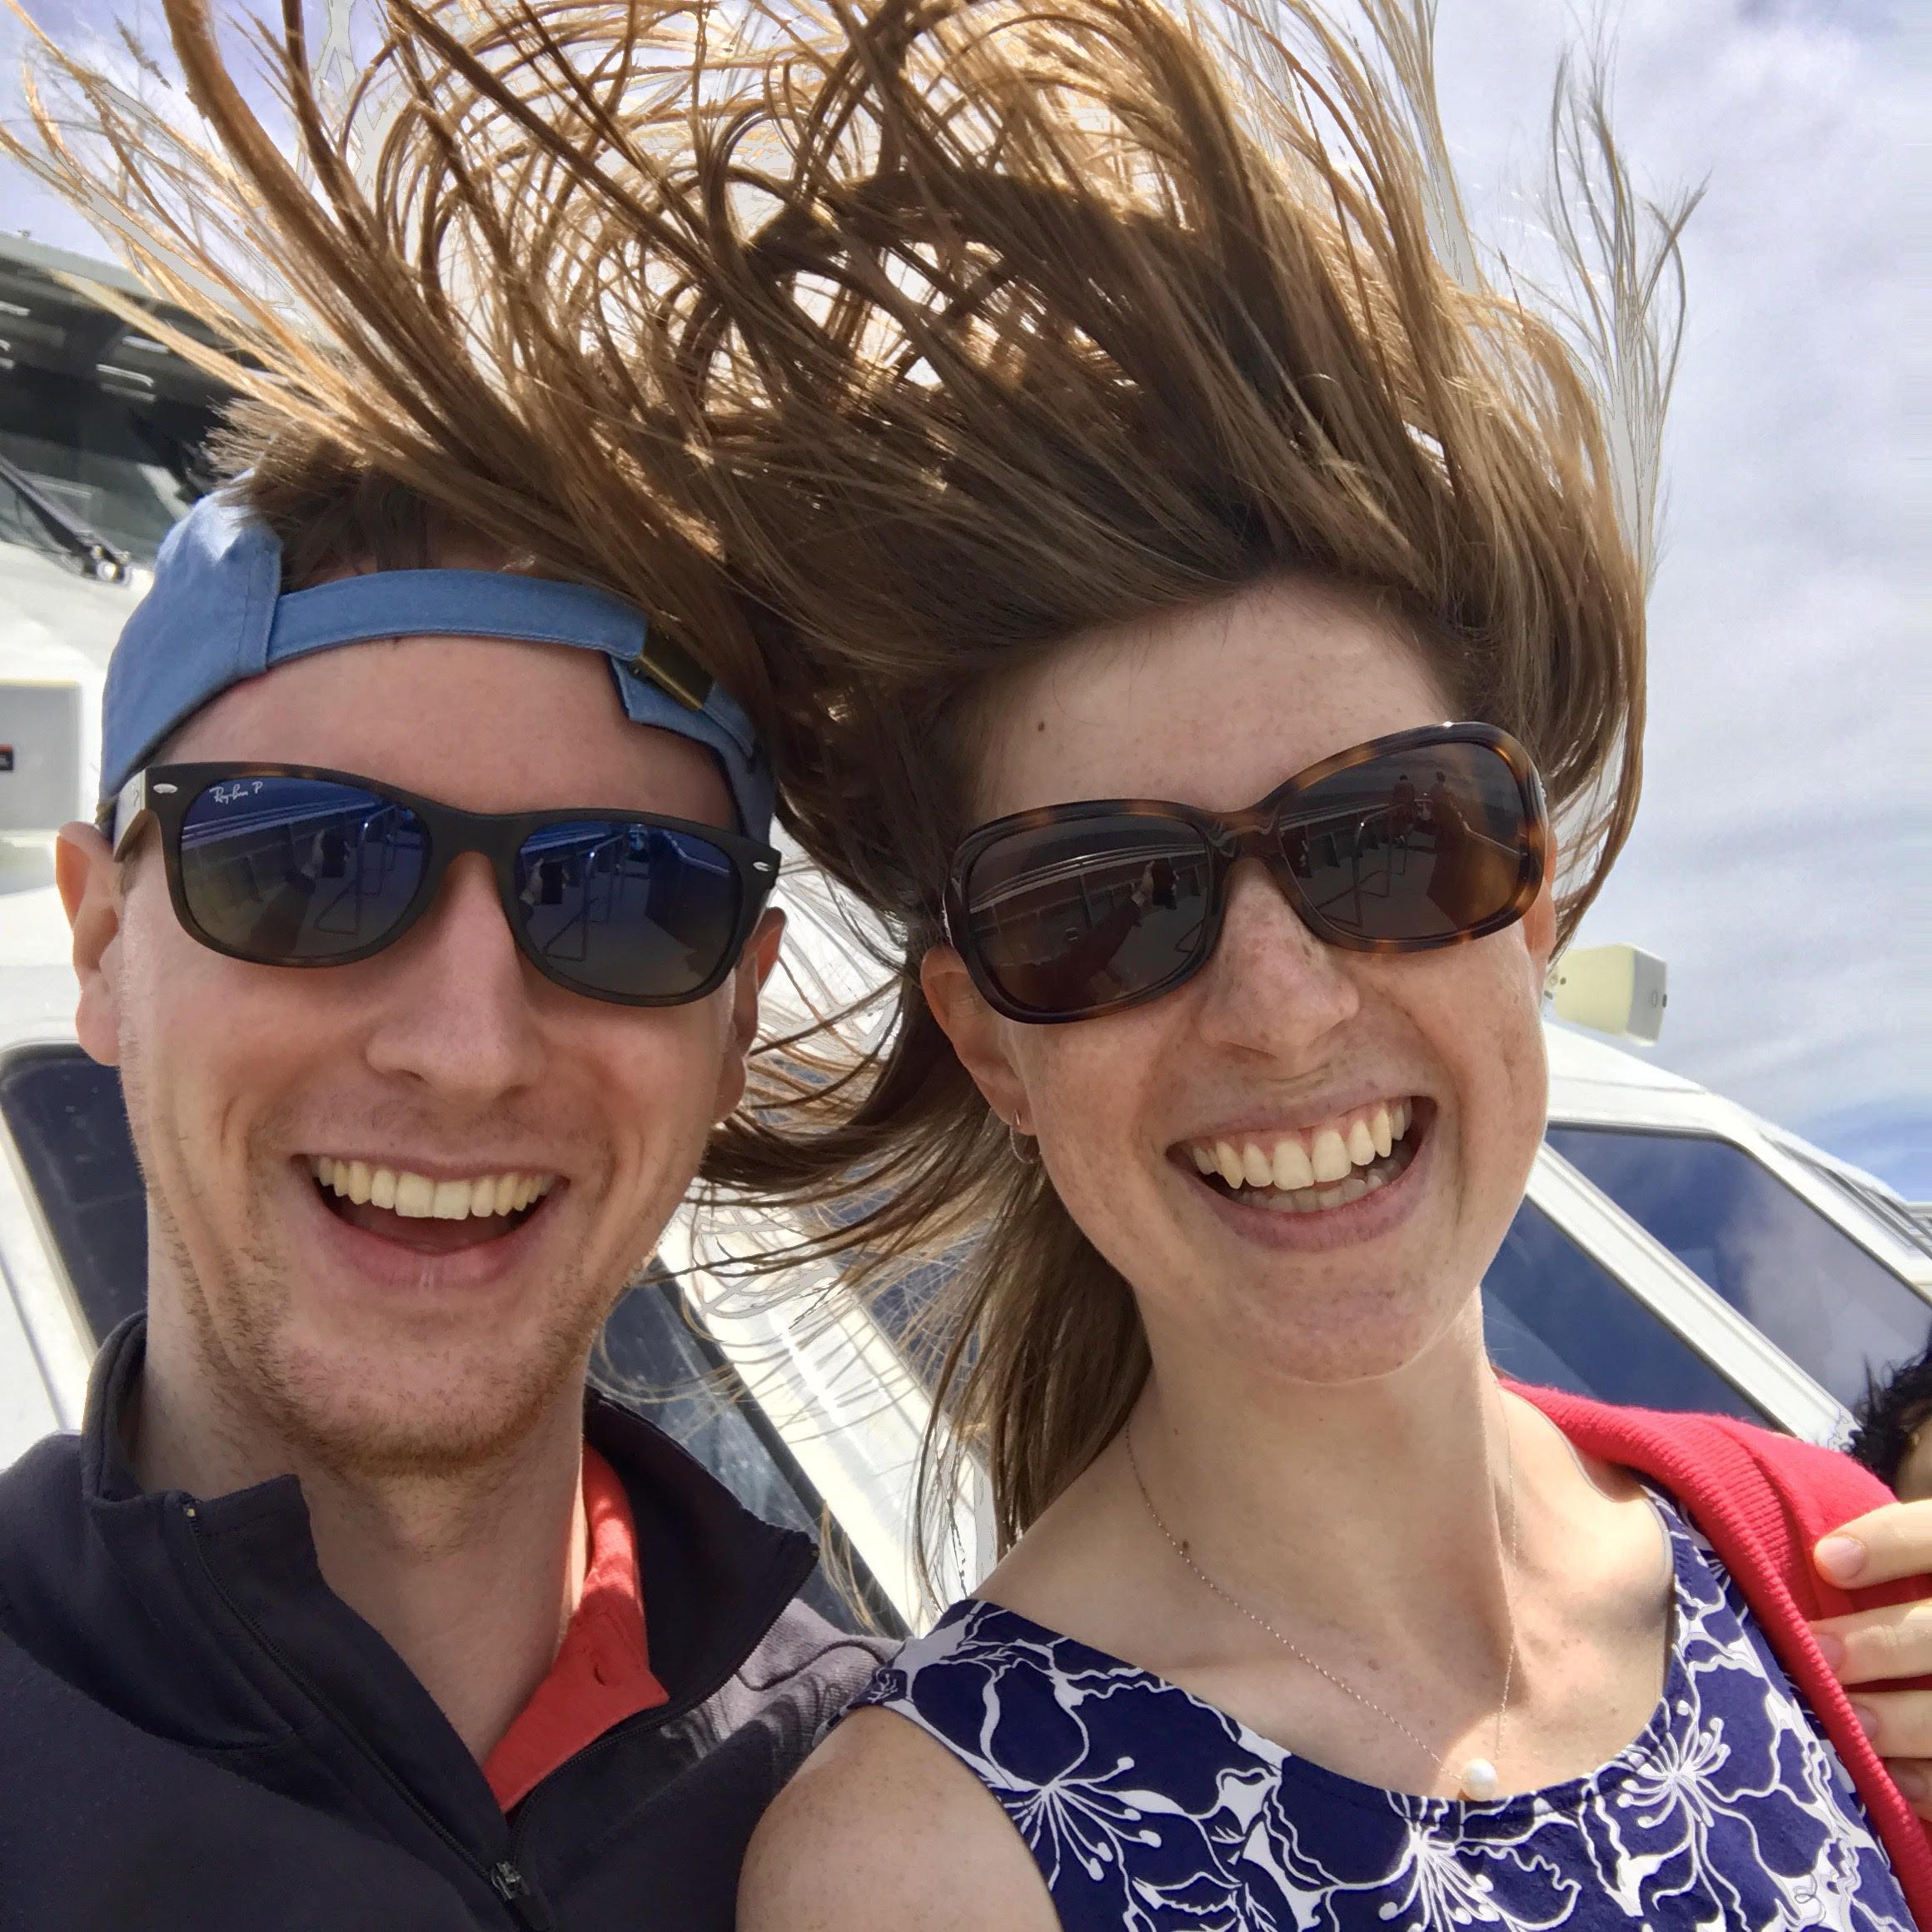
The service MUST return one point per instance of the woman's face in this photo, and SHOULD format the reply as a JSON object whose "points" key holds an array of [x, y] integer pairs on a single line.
{"points": [[1279, 1040]]}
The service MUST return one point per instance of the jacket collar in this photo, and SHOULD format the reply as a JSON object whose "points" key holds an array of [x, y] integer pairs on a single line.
{"points": [[715, 1576]]}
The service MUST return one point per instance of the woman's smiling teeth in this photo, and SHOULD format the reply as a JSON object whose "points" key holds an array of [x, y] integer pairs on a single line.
{"points": [[1315, 1168], [417, 1198]]}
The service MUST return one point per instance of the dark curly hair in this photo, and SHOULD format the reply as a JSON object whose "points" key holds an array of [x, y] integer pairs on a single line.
{"points": [[1893, 1412]]}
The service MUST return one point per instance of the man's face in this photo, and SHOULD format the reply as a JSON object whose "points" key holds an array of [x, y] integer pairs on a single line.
{"points": [[374, 1340]]}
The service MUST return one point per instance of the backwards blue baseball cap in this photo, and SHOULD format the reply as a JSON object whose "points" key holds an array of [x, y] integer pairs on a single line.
{"points": [[217, 613]]}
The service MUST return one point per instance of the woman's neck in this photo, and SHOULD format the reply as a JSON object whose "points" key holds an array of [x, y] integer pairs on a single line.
{"points": [[1359, 1504], [1420, 1538], [1399, 1519]]}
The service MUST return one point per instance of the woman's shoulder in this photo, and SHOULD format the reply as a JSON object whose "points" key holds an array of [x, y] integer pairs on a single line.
{"points": [[1695, 1454], [884, 1830], [1764, 1499], [974, 1634]]}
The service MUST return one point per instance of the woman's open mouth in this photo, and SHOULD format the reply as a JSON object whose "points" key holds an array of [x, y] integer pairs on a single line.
{"points": [[432, 1217], [1310, 1169]]}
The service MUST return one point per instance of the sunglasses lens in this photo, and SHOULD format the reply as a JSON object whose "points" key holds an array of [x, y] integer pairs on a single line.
{"points": [[1068, 917], [1412, 847], [639, 911], [288, 870]]}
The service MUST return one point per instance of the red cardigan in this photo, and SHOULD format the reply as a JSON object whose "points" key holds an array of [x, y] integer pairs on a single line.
{"points": [[1763, 1500]]}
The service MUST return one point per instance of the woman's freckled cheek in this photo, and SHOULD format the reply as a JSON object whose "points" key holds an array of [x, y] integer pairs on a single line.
{"points": [[1500, 1072], [1090, 1092]]}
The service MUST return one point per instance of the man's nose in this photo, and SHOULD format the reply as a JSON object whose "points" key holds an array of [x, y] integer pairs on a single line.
{"points": [[455, 1010], [1272, 986]]}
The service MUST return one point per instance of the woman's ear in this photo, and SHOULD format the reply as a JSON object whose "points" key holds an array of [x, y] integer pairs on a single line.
{"points": [[1539, 928], [85, 871], [1540, 923], [978, 1033]]}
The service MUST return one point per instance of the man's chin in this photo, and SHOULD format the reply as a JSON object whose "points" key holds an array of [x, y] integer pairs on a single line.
{"points": [[378, 1415], [363, 1358]]}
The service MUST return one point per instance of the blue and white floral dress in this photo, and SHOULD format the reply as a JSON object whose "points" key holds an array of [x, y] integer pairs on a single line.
{"points": [[1148, 1811]]}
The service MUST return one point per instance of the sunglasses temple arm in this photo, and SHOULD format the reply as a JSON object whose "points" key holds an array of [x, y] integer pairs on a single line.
{"points": [[131, 810]]}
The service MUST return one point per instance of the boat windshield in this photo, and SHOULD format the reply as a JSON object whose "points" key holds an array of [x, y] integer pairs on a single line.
{"points": [[103, 428], [1834, 1308], [1554, 1315], [79, 461]]}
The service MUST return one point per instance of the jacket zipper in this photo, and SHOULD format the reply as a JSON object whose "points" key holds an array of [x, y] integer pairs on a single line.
{"points": [[519, 1896], [516, 1892]]}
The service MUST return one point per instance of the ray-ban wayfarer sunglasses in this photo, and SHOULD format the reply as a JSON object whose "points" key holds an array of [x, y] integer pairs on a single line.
{"points": [[290, 866]]}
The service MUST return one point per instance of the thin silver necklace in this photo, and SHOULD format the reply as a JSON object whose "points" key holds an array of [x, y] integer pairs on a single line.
{"points": [[1480, 1781]]}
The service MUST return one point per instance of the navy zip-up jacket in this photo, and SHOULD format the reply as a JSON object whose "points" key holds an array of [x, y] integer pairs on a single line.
{"points": [[197, 1734]]}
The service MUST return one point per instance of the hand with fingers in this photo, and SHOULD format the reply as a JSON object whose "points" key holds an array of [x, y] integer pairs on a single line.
{"points": [[1884, 1657]]}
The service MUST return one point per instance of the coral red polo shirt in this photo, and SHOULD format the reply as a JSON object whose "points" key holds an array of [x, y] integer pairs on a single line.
{"points": [[602, 1671]]}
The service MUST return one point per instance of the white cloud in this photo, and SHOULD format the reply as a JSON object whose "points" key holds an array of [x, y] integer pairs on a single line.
{"points": [[1783, 860]]}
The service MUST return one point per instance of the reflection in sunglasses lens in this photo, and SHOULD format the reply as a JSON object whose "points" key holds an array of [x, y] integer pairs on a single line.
{"points": [[1078, 914], [1412, 848], [614, 906], [291, 871], [294, 869], [1418, 845]]}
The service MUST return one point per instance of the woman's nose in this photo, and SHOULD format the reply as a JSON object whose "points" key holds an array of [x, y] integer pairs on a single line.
{"points": [[1272, 986]]}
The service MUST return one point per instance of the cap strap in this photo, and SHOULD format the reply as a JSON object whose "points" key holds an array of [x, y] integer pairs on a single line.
{"points": [[483, 604]]}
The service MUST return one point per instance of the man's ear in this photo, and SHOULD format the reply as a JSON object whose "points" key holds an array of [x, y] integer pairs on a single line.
{"points": [[978, 1033], [753, 969], [90, 887]]}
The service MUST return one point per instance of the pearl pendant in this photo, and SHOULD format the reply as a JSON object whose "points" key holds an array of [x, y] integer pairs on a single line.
{"points": [[1480, 1781]]}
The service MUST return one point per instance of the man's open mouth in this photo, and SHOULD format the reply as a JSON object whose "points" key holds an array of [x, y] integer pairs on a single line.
{"points": [[435, 1217], [1312, 1168]]}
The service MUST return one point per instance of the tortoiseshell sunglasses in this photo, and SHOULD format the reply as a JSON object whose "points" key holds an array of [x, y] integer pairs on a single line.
{"points": [[1425, 839]]}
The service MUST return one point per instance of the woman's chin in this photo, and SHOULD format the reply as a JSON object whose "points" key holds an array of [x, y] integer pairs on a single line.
{"points": [[1349, 1340]]}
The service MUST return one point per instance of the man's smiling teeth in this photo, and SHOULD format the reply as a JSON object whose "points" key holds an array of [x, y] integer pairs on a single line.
{"points": [[1319, 1163], [417, 1198]]}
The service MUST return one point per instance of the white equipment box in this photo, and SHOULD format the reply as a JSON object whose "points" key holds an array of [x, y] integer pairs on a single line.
{"points": [[1612, 989], [40, 755]]}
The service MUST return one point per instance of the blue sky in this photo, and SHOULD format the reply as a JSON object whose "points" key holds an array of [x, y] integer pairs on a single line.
{"points": [[1782, 863]]}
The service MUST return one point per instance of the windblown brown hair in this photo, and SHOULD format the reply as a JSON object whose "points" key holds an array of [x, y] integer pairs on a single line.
{"points": [[1059, 313], [415, 338], [963, 326]]}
